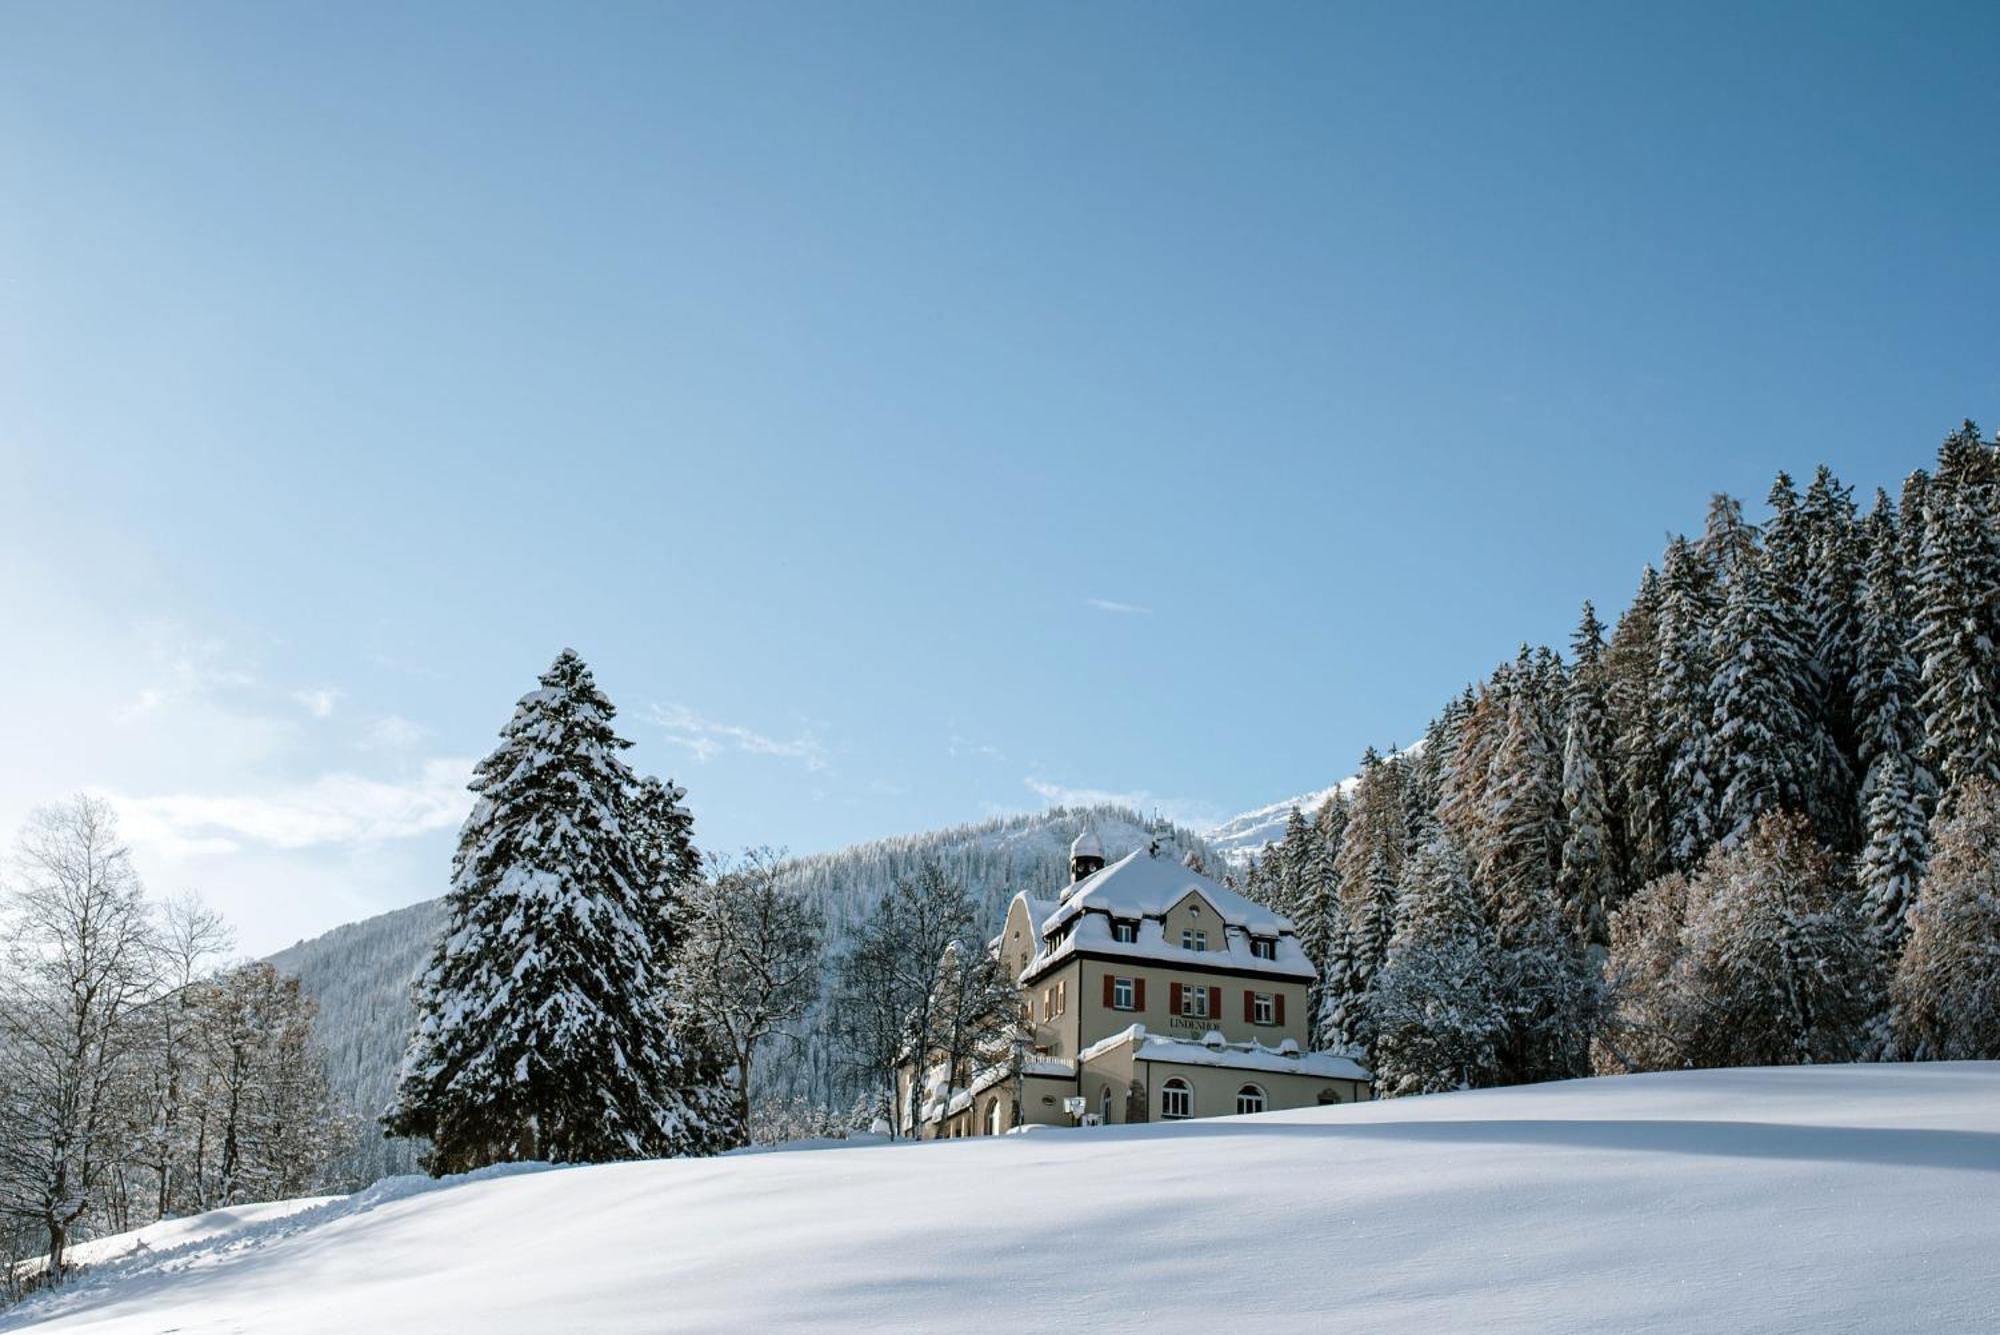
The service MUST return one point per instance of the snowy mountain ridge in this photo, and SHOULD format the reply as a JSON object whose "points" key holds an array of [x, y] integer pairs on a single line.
{"points": [[1244, 836]]}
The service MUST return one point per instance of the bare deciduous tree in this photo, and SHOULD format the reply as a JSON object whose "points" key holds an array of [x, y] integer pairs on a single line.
{"points": [[750, 963], [83, 956]]}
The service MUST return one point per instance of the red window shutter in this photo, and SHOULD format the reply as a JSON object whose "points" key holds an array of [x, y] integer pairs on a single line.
{"points": [[1281, 1007], [1249, 1007], [1138, 994], [1173, 998], [1215, 1003], [1108, 996]]}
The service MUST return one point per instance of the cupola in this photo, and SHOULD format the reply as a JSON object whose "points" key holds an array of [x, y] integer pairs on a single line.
{"points": [[1086, 856]]}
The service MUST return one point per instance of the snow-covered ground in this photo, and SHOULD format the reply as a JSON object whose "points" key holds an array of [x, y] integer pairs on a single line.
{"points": [[1814, 1199]]}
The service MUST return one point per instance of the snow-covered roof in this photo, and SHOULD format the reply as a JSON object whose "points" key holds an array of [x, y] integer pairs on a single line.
{"points": [[1141, 888], [1212, 1051], [1086, 846], [1141, 884], [1092, 933]]}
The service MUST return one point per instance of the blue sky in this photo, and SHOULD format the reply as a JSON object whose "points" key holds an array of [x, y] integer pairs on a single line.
{"points": [[912, 412]]}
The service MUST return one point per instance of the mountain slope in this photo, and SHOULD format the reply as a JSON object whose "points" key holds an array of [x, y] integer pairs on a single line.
{"points": [[1245, 836], [1814, 1198], [361, 973]]}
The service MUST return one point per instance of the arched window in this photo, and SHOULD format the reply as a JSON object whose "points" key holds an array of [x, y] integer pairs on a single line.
{"points": [[1328, 1096], [1104, 1106], [1249, 1099], [993, 1117], [1176, 1100]]}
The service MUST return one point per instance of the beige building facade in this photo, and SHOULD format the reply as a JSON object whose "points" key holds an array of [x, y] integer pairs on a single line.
{"points": [[1150, 992]]}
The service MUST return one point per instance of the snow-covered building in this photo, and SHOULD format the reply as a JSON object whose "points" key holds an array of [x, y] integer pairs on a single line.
{"points": [[1150, 992]]}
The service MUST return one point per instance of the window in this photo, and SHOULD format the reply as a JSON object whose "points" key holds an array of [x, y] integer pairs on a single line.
{"points": [[1121, 930], [1263, 1009], [1194, 1001], [1263, 948], [1062, 997], [1123, 995], [1249, 1099], [1193, 940], [1104, 1106], [1176, 1100], [1048, 1004]]}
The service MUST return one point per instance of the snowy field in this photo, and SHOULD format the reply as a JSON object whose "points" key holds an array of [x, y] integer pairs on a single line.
{"points": [[1817, 1199]]}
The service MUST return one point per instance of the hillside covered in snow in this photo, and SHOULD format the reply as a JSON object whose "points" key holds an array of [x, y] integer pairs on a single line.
{"points": [[361, 973], [1825, 1199], [1245, 836]]}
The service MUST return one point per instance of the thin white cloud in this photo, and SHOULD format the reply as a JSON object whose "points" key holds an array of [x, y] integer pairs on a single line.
{"points": [[391, 732], [319, 701], [965, 746], [334, 809], [1180, 810], [1117, 608], [705, 738]]}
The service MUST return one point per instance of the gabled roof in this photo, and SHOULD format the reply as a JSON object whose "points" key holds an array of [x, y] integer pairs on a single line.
{"points": [[1142, 888], [1141, 885]]}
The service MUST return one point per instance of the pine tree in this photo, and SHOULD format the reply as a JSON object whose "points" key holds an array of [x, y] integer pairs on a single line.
{"points": [[1947, 988], [1682, 694], [1343, 1023], [1586, 886], [1516, 863], [1763, 737], [1894, 786], [1831, 602], [1638, 777], [1958, 598], [543, 1030], [1728, 542], [1320, 919], [1294, 858], [1371, 858], [1437, 1013]]}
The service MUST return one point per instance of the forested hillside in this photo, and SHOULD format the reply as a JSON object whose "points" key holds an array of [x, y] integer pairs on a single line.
{"points": [[1756, 822], [361, 974]]}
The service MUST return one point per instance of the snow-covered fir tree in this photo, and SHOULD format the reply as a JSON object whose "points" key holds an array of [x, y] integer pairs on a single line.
{"points": [[1762, 734], [1320, 920], [1437, 1012], [1586, 878], [1895, 787], [1682, 706], [1958, 601], [545, 1026], [1638, 776]]}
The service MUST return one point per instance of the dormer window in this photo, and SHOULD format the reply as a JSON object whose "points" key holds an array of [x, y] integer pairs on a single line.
{"points": [[1123, 929], [1263, 947], [1193, 940]]}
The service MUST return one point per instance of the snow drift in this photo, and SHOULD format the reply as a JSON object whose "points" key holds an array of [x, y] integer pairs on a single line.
{"points": [[1804, 1199]]}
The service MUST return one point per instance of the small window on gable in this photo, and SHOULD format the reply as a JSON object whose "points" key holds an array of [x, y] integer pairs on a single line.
{"points": [[1193, 940], [1263, 947], [1124, 930], [1176, 1100]]}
